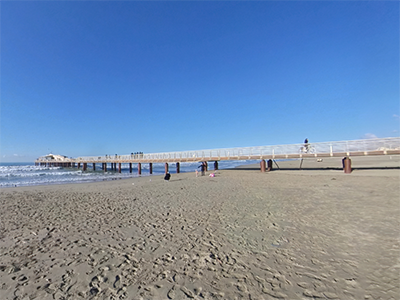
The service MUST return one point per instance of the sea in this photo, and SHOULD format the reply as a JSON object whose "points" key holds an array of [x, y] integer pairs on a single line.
{"points": [[27, 174]]}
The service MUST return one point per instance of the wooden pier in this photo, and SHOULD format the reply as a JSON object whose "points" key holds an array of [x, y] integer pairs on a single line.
{"points": [[344, 149]]}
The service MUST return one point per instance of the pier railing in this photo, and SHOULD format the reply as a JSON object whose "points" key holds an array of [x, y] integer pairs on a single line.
{"points": [[381, 146]]}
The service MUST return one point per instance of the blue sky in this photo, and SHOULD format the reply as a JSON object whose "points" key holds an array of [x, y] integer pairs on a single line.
{"points": [[104, 77]]}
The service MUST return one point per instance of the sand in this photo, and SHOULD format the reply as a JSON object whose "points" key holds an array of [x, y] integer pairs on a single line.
{"points": [[243, 234]]}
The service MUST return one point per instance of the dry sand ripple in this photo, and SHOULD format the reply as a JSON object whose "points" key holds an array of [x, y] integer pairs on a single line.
{"points": [[240, 235]]}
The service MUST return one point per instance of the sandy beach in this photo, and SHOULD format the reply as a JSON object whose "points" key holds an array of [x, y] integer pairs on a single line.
{"points": [[243, 234]]}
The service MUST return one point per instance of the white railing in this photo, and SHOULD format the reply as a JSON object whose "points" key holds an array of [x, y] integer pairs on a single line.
{"points": [[366, 145]]}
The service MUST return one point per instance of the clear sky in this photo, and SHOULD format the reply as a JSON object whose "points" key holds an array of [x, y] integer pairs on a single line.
{"points": [[105, 77]]}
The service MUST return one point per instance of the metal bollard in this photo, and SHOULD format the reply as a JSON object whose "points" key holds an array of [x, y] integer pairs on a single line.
{"points": [[269, 165], [262, 165], [346, 165]]}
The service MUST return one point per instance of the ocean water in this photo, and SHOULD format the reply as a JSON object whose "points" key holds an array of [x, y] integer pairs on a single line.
{"points": [[27, 174]]}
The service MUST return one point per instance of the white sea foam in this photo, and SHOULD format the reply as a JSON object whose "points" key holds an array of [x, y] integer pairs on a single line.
{"points": [[28, 174]]}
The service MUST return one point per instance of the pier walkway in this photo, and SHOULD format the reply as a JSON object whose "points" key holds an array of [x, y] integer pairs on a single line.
{"points": [[345, 149]]}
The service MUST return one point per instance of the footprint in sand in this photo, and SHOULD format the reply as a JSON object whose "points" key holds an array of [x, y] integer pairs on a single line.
{"points": [[117, 282], [171, 293]]}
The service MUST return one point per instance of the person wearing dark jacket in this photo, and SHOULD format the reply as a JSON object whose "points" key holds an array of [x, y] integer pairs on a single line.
{"points": [[203, 168]]}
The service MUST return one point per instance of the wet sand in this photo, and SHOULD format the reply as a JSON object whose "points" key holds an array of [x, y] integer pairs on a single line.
{"points": [[241, 235]]}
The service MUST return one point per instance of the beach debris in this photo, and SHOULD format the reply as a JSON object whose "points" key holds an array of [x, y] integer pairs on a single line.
{"points": [[167, 176]]}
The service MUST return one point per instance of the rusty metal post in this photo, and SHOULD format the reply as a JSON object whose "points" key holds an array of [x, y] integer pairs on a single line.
{"points": [[139, 168], [130, 167], [119, 168], [84, 166], [206, 163], [346, 165], [262, 165], [105, 167], [94, 167], [166, 168], [178, 170], [151, 168], [269, 165]]}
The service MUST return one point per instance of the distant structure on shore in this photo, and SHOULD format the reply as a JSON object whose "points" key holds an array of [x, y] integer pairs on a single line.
{"points": [[54, 157]]}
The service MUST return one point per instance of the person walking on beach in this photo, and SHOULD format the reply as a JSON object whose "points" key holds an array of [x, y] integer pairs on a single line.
{"points": [[306, 145], [203, 168]]}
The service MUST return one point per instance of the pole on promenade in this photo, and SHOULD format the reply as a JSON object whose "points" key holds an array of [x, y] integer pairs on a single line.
{"points": [[139, 168]]}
